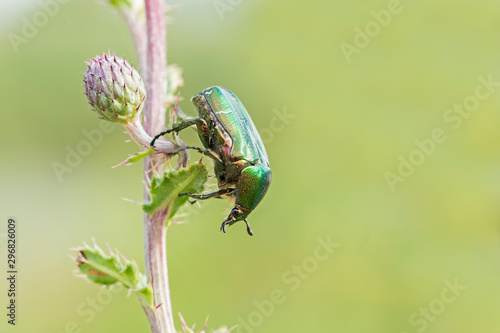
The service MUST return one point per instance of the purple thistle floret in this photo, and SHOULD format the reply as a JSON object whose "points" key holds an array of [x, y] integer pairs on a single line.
{"points": [[114, 89]]}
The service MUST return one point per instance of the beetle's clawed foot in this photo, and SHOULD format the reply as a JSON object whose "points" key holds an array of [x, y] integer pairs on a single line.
{"points": [[229, 223]]}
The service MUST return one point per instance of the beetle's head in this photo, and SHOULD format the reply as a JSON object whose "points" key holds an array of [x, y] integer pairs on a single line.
{"points": [[252, 186]]}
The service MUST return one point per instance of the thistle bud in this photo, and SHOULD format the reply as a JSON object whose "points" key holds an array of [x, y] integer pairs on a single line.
{"points": [[114, 89]]}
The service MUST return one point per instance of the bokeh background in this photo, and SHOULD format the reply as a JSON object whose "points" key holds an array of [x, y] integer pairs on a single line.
{"points": [[397, 250]]}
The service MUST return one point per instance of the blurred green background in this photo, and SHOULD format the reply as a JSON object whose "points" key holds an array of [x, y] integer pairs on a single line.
{"points": [[353, 122]]}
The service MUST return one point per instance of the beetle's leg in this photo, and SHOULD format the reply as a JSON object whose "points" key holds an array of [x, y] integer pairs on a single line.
{"points": [[208, 195], [176, 128], [206, 152], [244, 159]]}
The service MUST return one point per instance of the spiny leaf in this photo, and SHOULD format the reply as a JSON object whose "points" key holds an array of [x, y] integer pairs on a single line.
{"points": [[107, 270], [136, 157], [165, 192]]}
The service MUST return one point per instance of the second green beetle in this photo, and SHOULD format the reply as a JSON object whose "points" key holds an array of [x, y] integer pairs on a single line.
{"points": [[230, 138]]}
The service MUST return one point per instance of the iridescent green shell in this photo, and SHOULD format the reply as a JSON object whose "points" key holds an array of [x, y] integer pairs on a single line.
{"points": [[235, 121]]}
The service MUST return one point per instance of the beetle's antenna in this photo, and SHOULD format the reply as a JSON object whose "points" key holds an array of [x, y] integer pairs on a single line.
{"points": [[249, 230]]}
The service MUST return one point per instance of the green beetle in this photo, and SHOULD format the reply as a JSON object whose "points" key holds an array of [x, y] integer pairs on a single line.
{"points": [[230, 138]]}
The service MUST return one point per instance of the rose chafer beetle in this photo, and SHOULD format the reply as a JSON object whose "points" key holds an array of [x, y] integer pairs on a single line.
{"points": [[230, 138]]}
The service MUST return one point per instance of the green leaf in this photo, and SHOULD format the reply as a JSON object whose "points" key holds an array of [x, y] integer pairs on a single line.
{"points": [[165, 192], [110, 269], [136, 157]]}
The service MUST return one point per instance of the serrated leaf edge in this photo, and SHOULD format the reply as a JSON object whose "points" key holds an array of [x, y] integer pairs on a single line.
{"points": [[168, 176]]}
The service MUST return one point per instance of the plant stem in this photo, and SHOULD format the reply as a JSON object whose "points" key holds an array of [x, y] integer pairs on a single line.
{"points": [[160, 319], [143, 139], [137, 26], [155, 242], [157, 66]]}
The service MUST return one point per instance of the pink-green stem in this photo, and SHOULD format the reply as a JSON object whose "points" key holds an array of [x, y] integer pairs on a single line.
{"points": [[160, 317], [137, 27], [157, 65]]}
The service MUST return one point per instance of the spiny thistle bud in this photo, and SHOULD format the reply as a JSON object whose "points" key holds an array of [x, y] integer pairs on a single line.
{"points": [[115, 90]]}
